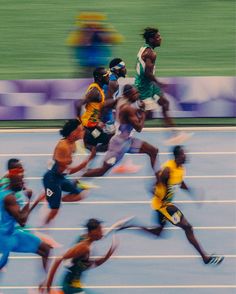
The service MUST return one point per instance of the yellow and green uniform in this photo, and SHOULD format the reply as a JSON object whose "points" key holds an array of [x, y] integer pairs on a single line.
{"points": [[91, 116], [72, 280], [163, 194]]}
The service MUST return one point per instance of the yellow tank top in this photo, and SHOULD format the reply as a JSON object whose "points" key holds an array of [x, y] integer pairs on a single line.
{"points": [[91, 116], [165, 193]]}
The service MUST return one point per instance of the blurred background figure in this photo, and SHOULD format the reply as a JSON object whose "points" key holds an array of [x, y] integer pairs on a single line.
{"points": [[91, 42]]}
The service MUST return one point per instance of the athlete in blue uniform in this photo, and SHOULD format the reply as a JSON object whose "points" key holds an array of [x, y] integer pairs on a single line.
{"points": [[55, 180], [13, 239], [112, 91], [14, 166], [131, 117], [117, 70]]}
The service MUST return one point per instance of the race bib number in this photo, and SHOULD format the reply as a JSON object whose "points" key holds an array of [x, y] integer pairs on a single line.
{"points": [[95, 133], [176, 218], [49, 192]]}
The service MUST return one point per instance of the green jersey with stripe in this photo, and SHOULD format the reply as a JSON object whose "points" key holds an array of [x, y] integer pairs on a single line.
{"points": [[146, 88]]}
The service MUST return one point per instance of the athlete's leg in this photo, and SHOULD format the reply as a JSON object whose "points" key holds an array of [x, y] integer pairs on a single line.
{"points": [[157, 230], [40, 198], [164, 103], [4, 259], [44, 251], [188, 229], [7, 243], [97, 172], [74, 197], [178, 219], [51, 215], [75, 193], [116, 150], [151, 151]]}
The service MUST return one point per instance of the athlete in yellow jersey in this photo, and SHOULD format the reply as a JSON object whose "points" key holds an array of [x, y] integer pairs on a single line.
{"points": [[168, 178], [94, 103]]}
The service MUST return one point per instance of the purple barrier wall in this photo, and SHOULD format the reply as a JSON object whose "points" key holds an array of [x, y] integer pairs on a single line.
{"points": [[54, 99]]}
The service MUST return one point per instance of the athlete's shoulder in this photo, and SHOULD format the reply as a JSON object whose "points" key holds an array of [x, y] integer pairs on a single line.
{"points": [[149, 53], [169, 164], [62, 144], [7, 196], [113, 77]]}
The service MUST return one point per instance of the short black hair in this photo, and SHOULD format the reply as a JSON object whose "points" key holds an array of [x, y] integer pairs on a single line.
{"points": [[149, 33], [12, 162], [127, 89], [115, 62], [176, 150], [97, 72], [93, 224], [69, 127]]}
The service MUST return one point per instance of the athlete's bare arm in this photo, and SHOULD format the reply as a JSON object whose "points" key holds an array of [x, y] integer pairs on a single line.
{"points": [[113, 86], [149, 57], [63, 157], [93, 95], [79, 250], [184, 186], [12, 207], [133, 116], [163, 176]]}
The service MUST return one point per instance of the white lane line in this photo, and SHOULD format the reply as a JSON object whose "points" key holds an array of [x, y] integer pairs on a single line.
{"points": [[129, 257], [145, 177], [102, 154], [148, 129], [215, 286], [108, 228], [143, 202]]}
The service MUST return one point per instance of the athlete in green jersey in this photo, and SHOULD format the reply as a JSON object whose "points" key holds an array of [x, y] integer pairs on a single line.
{"points": [[145, 81], [150, 89]]}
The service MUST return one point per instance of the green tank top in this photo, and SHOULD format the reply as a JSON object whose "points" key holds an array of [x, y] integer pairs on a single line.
{"points": [[78, 266], [140, 77]]}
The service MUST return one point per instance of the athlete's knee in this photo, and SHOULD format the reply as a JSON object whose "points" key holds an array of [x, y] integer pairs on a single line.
{"points": [[155, 150], [52, 214], [187, 227], [103, 169], [4, 259], [149, 149], [44, 250], [164, 103]]}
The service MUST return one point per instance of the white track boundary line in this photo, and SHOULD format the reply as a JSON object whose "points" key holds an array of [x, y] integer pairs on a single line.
{"points": [[143, 202], [145, 177], [123, 257], [215, 286], [148, 129], [108, 228], [129, 154]]}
